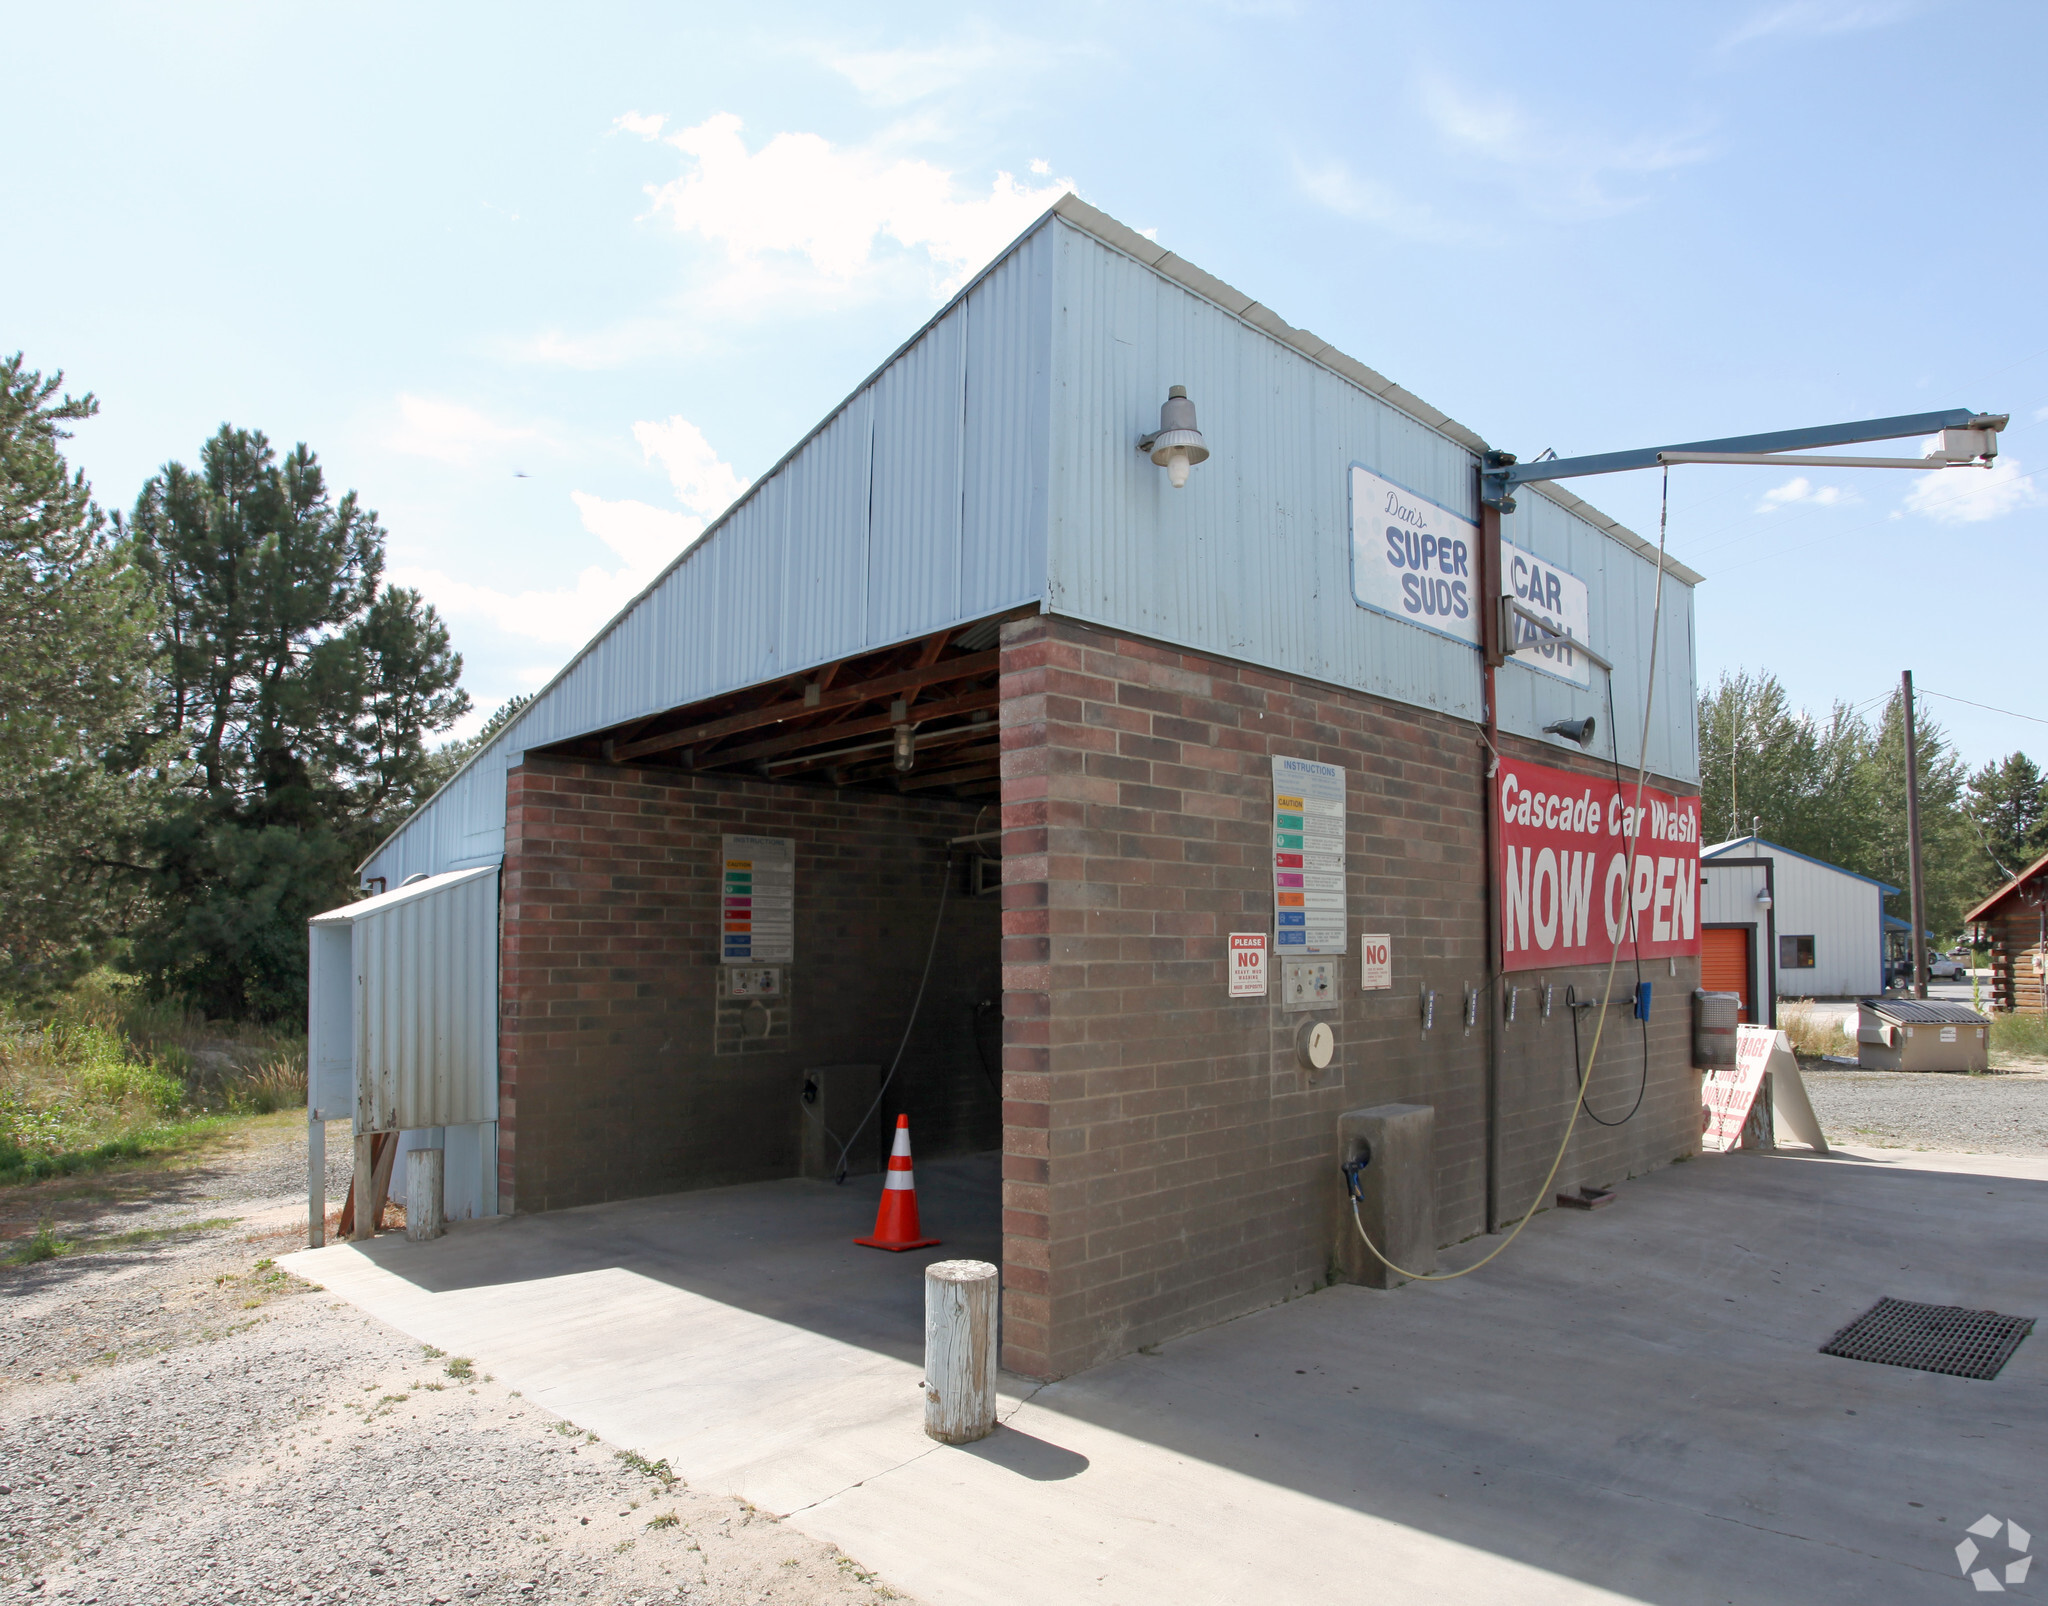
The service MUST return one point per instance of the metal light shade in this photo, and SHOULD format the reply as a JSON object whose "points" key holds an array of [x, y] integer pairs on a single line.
{"points": [[1178, 446], [1763, 897]]}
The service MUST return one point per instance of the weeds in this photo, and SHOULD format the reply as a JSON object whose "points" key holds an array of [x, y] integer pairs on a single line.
{"points": [[2016, 1036], [43, 1245], [646, 1468], [461, 1368], [102, 1073], [1811, 1034], [667, 1519]]}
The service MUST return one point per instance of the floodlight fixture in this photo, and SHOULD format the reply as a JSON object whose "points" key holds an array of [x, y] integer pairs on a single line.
{"points": [[1572, 730], [1176, 445]]}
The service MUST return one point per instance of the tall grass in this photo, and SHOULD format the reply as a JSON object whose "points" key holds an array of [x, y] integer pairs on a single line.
{"points": [[104, 1073], [2015, 1036], [1811, 1033]]}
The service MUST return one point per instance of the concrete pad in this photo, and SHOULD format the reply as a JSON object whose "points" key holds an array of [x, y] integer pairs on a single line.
{"points": [[1628, 1405]]}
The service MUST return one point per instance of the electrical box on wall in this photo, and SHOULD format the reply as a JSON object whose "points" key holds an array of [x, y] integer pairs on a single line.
{"points": [[752, 1015], [1308, 984]]}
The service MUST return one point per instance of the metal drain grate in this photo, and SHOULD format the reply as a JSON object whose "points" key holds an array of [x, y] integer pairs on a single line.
{"points": [[1931, 1338]]}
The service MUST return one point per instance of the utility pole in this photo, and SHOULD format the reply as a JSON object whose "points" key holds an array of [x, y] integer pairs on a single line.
{"points": [[1914, 880]]}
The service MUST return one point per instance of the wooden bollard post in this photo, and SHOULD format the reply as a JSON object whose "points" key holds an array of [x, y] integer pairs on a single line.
{"points": [[960, 1350], [364, 1223], [424, 1217]]}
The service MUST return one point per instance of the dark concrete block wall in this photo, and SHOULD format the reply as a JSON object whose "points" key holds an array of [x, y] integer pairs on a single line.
{"points": [[1167, 1162], [609, 1087]]}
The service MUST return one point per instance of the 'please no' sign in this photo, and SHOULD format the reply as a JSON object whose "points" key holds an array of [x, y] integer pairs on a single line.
{"points": [[1247, 964]]}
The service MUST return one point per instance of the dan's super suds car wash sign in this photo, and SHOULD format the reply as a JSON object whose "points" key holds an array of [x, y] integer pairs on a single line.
{"points": [[1417, 560], [1584, 872]]}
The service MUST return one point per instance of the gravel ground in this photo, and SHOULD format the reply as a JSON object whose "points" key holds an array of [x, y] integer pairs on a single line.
{"points": [[1997, 1114], [184, 1423]]}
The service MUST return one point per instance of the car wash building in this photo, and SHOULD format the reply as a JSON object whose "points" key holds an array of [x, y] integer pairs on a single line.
{"points": [[1149, 791]]}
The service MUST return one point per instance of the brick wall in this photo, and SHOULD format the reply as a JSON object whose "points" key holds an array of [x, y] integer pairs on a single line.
{"points": [[609, 1086], [1167, 1163]]}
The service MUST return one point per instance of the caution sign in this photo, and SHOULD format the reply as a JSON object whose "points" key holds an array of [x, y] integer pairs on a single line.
{"points": [[1247, 964]]}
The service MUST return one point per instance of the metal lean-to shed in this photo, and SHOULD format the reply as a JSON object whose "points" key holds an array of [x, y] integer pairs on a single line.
{"points": [[402, 1028]]}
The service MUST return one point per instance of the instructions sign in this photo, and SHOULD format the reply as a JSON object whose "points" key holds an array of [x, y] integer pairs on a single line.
{"points": [[1584, 872], [1308, 857], [758, 892], [1375, 963], [1413, 558], [1561, 598], [1247, 964]]}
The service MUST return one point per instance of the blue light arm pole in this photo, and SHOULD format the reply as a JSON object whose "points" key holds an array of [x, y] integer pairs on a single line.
{"points": [[1500, 474]]}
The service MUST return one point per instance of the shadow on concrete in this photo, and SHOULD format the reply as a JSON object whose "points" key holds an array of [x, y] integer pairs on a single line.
{"points": [[782, 1250], [1633, 1399], [1016, 1451]]}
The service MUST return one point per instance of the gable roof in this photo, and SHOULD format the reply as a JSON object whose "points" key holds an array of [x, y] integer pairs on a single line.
{"points": [[2014, 885], [1719, 848], [569, 703]]}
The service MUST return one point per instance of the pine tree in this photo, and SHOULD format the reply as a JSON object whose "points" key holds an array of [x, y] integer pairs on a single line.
{"points": [[2008, 802], [299, 690], [74, 636]]}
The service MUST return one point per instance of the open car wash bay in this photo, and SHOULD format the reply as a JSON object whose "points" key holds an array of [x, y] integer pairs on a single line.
{"points": [[966, 771]]}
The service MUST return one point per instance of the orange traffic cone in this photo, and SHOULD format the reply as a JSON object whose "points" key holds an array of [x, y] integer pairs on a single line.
{"points": [[896, 1225]]}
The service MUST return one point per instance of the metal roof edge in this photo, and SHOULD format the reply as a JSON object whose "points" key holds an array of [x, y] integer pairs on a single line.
{"points": [[2008, 889], [349, 913], [1149, 253], [1716, 849], [719, 523]]}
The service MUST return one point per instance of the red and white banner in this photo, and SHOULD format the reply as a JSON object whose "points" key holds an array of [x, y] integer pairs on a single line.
{"points": [[1583, 873]]}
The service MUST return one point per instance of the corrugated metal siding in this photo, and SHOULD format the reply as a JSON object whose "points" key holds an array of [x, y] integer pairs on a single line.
{"points": [[1842, 913], [1622, 585], [920, 504], [992, 463], [1252, 559], [426, 1018]]}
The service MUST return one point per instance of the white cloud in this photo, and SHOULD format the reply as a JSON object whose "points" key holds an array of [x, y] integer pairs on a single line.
{"points": [[703, 483], [1816, 19], [1973, 495], [1334, 185], [643, 538], [1802, 490], [804, 217], [452, 433], [897, 77], [635, 123], [1561, 173], [1040, 166]]}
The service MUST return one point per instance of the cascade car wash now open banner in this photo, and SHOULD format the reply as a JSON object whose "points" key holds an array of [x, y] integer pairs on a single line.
{"points": [[1583, 872]]}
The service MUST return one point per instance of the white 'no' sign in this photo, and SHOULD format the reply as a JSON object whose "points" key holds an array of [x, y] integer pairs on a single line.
{"points": [[1247, 964], [1375, 962]]}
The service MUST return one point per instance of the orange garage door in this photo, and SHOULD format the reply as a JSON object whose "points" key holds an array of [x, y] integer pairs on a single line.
{"points": [[1724, 963]]}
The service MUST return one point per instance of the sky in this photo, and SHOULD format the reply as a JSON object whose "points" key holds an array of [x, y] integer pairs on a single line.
{"points": [[550, 286]]}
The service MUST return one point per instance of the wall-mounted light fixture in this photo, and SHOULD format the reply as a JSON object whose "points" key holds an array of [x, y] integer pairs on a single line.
{"points": [[1763, 897], [1177, 445], [1572, 730]]}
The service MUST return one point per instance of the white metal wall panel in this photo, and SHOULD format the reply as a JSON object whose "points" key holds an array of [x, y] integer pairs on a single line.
{"points": [[1843, 914], [1621, 586], [854, 541], [424, 967], [914, 528], [1009, 398], [1252, 559]]}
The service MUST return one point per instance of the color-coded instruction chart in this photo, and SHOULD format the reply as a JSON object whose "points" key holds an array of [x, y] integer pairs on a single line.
{"points": [[1308, 857], [760, 900]]}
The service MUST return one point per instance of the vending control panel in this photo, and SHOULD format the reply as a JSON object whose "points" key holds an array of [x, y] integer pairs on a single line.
{"points": [[1308, 983]]}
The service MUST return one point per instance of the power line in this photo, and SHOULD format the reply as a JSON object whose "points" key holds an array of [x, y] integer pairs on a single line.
{"points": [[2009, 714]]}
